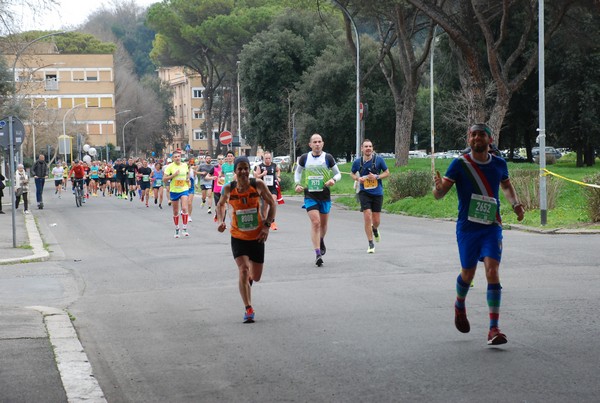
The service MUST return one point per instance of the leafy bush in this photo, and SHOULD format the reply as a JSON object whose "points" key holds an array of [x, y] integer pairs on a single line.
{"points": [[593, 201], [286, 181], [409, 184], [527, 186]]}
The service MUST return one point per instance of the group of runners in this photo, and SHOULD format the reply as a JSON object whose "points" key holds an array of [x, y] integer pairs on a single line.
{"points": [[250, 196], [477, 174]]}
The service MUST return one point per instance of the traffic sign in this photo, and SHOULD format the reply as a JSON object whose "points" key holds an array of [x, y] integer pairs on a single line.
{"points": [[225, 138], [18, 132], [188, 147]]}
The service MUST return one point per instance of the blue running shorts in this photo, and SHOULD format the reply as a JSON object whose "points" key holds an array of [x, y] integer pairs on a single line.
{"points": [[176, 196], [474, 246], [323, 206]]}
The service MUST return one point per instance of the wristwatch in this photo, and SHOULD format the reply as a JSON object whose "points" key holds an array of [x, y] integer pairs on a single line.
{"points": [[267, 224]]}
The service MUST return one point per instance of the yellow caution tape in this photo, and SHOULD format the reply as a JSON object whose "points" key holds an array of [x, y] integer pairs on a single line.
{"points": [[546, 173]]}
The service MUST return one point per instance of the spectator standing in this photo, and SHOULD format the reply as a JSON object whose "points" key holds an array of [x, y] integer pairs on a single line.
{"points": [[2, 186], [21, 188], [40, 174]]}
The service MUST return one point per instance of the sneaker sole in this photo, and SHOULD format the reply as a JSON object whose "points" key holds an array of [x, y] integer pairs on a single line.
{"points": [[496, 341], [319, 262], [249, 320]]}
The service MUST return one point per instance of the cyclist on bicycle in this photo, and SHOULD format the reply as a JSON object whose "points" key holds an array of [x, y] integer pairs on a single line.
{"points": [[77, 172]]}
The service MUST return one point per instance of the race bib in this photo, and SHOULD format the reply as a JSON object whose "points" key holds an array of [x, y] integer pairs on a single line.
{"points": [[145, 178], [228, 177], [221, 181], [482, 209], [130, 175], [315, 183], [179, 183], [370, 183], [269, 180], [158, 183], [247, 220]]}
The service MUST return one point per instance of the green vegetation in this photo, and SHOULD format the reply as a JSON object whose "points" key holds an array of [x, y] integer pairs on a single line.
{"points": [[571, 209]]}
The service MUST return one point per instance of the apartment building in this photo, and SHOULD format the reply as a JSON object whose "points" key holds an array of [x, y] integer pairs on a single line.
{"points": [[188, 105], [65, 95]]}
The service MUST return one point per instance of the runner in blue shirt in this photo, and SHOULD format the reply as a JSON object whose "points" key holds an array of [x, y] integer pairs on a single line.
{"points": [[478, 176], [368, 171]]}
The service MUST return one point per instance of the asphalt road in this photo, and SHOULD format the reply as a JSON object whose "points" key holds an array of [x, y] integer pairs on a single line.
{"points": [[161, 318]]}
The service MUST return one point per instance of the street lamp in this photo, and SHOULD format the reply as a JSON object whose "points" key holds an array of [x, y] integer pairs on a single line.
{"points": [[238, 106], [105, 137], [65, 127], [345, 11], [126, 123], [20, 52]]}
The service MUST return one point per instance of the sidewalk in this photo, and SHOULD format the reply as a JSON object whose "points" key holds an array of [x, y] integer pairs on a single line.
{"points": [[42, 358]]}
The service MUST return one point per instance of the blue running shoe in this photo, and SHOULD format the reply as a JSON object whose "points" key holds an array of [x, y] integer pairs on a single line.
{"points": [[249, 315]]}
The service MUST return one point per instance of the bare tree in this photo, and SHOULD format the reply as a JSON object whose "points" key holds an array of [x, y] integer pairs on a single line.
{"points": [[510, 54]]}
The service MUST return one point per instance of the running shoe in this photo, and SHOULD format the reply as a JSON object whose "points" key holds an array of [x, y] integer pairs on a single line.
{"points": [[189, 219], [371, 249], [249, 315], [495, 337], [274, 226], [202, 205], [376, 235], [177, 233], [322, 247], [215, 219], [184, 232], [155, 201], [160, 206], [209, 212], [461, 322], [147, 205], [319, 261]]}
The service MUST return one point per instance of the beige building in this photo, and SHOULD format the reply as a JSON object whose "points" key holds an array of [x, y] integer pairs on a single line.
{"points": [[65, 94], [188, 105]]}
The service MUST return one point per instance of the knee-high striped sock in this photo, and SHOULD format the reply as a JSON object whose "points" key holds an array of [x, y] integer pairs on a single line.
{"points": [[176, 220], [185, 217], [494, 295], [462, 289]]}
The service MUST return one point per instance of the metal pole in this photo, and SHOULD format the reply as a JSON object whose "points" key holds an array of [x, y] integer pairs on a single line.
{"points": [[65, 127], [431, 105], [239, 122], [345, 11], [542, 114], [12, 178], [126, 123]]}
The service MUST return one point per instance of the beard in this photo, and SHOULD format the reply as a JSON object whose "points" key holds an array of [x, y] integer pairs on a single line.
{"points": [[479, 148]]}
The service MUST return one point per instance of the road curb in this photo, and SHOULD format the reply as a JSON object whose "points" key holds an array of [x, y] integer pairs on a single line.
{"points": [[73, 365], [39, 254]]}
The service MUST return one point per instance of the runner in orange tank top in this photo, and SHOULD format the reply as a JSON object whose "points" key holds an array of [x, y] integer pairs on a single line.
{"points": [[249, 231]]}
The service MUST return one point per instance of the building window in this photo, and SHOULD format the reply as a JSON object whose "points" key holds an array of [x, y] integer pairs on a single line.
{"points": [[198, 114], [197, 93], [92, 103], [78, 75], [51, 82], [198, 135]]}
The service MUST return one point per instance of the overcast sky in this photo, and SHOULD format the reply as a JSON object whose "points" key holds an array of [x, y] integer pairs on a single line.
{"points": [[70, 13]]}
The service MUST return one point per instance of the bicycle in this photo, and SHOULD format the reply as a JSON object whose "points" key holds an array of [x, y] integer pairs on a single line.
{"points": [[78, 186]]}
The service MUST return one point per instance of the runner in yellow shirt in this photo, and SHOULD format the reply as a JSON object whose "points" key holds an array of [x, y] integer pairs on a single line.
{"points": [[178, 173]]}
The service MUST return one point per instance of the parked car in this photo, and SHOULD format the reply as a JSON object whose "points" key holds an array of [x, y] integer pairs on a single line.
{"points": [[552, 155], [417, 154], [254, 162], [284, 162]]}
